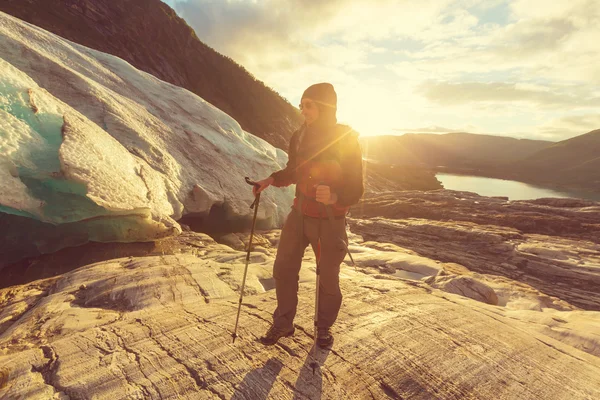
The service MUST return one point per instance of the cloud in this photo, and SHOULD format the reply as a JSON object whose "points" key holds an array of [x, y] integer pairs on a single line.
{"points": [[250, 32], [555, 41], [262, 34], [446, 93], [504, 66], [569, 126], [543, 9], [528, 38]]}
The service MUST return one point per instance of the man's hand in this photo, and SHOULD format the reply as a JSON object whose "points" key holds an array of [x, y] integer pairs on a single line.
{"points": [[325, 196], [265, 183]]}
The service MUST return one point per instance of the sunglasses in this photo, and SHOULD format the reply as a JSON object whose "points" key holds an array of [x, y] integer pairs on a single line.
{"points": [[308, 105]]}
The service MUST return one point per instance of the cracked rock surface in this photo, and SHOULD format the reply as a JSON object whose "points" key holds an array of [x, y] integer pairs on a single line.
{"points": [[550, 244], [160, 327]]}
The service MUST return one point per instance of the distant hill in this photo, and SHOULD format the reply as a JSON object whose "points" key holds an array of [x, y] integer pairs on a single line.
{"points": [[149, 35], [450, 150], [569, 164], [573, 162]]}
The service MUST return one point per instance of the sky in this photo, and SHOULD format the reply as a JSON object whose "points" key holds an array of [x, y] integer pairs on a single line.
{"points": [[520, 68]]}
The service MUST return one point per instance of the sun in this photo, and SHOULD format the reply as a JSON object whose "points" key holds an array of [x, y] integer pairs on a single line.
{"points": [[369, 111]]}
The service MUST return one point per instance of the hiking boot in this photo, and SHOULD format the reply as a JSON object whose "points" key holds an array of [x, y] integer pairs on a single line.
{"points": [[324, 338], [274, 334]]}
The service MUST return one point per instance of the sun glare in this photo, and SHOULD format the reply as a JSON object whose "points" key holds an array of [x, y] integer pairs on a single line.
{"points": [[369, 113]]}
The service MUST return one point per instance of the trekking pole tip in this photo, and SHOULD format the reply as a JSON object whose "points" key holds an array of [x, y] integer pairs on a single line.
{"points": [[314, 366]]}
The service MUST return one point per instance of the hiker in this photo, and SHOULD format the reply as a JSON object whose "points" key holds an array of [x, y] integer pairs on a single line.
{"points": [[325, 163]]}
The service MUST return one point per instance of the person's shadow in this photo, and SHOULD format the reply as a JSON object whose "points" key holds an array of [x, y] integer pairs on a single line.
{"points": [[310, 384], [258, 383]]}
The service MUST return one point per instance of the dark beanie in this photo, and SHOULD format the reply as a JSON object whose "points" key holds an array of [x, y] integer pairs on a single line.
{"points": [[322, 93]]}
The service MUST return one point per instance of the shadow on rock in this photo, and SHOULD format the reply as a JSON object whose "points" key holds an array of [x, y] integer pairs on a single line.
{"points": [[310, 384], [258, 383]]}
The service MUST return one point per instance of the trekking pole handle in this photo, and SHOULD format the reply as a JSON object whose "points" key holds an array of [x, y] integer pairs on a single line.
{"points": [[251, 182], [256, 185]]}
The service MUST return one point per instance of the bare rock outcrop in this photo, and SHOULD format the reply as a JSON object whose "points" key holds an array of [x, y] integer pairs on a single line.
{"points": [[160, 327], [574, 218], [565, 268], [550, 244], [465, 286]]}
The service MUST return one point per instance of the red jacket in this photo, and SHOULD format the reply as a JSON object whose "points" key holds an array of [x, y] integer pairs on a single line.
{"points": [[328, 155]]}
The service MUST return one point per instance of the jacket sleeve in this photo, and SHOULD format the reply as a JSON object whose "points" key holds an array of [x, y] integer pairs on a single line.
{"points": [[353, 187], [287, 176]]}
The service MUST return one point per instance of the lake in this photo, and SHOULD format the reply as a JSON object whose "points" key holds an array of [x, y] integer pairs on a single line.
{"points": [[499, 187]]}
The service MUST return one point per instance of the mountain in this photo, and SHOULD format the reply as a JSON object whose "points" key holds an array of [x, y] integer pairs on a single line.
{"points": [[450, 150], [573, 162], [150, 36]]}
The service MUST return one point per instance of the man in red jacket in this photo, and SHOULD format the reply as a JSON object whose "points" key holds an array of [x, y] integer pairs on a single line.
{"points": [[325, 163]]}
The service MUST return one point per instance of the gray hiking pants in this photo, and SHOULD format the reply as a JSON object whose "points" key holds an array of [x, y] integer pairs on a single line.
{"points": [[292, 244]]}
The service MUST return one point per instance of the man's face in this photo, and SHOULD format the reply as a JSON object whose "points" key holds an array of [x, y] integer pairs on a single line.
{"points": [[309, 110]]}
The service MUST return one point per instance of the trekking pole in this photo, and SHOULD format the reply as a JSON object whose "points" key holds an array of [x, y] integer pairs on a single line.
{"points": [[255, 206], [315, 364]]}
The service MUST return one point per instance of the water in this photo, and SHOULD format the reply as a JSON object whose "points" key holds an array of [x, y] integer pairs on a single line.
{"points": [[499, 187]]}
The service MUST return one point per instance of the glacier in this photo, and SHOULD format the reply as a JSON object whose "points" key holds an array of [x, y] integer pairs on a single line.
{"points": [[92, 149]]}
